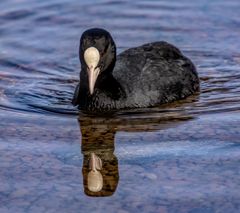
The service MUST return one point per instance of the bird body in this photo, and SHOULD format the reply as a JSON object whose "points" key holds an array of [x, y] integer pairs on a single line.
{"points": [[144, 76]]}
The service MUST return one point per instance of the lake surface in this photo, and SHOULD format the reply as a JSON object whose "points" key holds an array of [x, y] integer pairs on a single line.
{"points": [[180, 157]]}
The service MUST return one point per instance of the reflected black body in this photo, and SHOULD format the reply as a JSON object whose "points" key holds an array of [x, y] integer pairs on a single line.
{"points": [[144, 76]]}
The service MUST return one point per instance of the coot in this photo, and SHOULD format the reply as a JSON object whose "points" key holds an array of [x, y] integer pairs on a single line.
{"points": [[144, 76]]}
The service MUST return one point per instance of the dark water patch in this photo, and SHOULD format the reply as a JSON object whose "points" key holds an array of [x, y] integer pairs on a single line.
{"points": [[28, 47], [16, 15], [52, 20], [11, 63], [51, 6]]}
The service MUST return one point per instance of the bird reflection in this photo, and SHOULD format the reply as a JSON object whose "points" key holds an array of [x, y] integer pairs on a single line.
{"points": [[100, 165]]}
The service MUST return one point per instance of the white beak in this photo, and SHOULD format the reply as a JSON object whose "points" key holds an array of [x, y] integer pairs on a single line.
{"points": [[92, 57]]}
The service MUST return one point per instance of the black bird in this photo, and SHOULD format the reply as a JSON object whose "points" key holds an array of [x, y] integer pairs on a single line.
{"points": [[144, 76]]}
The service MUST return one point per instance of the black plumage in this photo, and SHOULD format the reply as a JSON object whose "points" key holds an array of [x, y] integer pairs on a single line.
{"points": [[144, 76]]}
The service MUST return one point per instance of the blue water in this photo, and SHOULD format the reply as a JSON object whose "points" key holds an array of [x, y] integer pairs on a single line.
{"points": [[179, 157]]}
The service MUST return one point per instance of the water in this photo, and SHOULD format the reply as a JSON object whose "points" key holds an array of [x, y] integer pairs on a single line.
{"points": [[179, 157]]}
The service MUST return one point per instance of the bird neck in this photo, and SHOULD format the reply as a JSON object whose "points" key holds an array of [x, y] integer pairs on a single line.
{"points": [[106, 83]]}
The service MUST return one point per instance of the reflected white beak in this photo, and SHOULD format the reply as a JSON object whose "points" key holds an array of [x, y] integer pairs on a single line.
{"points": [[95, 178], [92, 57]]}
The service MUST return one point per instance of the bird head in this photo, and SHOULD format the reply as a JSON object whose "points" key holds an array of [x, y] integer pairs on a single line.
{"points": [[97, 53]]}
